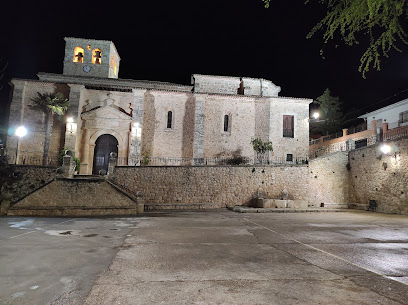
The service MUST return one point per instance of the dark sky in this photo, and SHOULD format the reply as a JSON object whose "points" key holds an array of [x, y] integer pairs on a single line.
{"points": [[170, 40]]}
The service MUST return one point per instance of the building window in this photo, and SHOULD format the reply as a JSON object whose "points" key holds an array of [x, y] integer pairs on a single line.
{"points": [[116, 68], [169, 119], [288, 126], [78, 54], [226, 123], [403, 117], [111, 62], [96, 56], [289, 157]]}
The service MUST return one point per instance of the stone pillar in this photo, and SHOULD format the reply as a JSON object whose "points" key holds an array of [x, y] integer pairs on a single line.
{"points": [[139, 202], [76, 102], [374, 127], [112, 164], [345, 132], [351, 144], [199, 127], [16, 114], [68, 166], [385, 128]]}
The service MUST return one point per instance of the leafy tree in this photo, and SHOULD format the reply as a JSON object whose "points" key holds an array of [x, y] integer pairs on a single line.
{"points": [[353, 19], [49, 104], [331, 115], [261, 147]]}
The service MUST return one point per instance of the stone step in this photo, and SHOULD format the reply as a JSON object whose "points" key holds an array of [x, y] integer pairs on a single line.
{"points": [[358, 206], [335, 205], [180, 206], [242, 209]]}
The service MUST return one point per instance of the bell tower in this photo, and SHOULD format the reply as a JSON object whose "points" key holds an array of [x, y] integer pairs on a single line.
{"points": [[91, 58]]}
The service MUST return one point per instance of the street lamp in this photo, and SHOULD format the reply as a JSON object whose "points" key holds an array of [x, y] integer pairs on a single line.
{"points": [[20, 132], [70, 122], [385, 149], [316, 115]]}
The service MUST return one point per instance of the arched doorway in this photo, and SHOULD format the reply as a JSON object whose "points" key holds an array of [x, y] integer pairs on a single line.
{"points": [[104, 145]]}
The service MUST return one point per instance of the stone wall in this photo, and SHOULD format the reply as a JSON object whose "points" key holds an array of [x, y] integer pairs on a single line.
{"points": [[216, 84], [241, 129], [329, 179], [224, 185], [76, 197], [17, 181], [21, 113], [298, 145], [384, 178]]}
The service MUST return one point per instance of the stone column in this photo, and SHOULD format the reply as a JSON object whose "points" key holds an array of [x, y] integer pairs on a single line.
{"points": [[16, 114], [199, 124], [72, 137]]}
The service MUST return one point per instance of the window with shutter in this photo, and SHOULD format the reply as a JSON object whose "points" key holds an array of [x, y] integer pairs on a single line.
{"points": [[288, 126]]}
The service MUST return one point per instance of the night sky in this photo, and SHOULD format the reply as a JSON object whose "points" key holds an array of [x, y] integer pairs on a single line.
{"points": [[170, 40]]}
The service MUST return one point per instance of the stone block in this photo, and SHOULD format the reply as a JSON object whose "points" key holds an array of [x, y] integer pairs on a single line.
{"points": [[300, 204], [281, 204], [269, 203]]}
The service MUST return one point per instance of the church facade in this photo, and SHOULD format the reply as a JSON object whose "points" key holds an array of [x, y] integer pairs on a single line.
{"points": [[216, 116]]}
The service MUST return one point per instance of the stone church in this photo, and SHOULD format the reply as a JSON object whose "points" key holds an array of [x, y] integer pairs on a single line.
{"points": [[215, 116]]}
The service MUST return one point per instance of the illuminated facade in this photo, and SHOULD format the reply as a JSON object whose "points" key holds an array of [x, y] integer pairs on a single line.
{"points": [[216, 116]]}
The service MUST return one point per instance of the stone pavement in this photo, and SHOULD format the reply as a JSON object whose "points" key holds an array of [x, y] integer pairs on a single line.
{"points": [[227, 258], [205, 257]]}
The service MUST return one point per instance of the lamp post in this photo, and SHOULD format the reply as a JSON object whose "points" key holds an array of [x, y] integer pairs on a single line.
{"points": [[20, 132]]}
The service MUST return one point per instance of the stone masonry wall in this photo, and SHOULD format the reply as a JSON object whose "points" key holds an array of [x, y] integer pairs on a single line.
{"points": [[20, 180], [328, 179], [225, 185], [383, 178]]}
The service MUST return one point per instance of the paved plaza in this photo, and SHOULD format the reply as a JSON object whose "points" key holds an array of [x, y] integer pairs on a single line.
{"points": [[213, 257]]}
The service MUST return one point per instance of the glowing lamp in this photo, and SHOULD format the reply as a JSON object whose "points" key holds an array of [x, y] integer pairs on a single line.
{"points": [[385, 149], [21, 131], [315, 115]]}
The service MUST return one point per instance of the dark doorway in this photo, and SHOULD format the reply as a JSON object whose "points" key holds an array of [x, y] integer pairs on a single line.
{"points": [[104, 145]]}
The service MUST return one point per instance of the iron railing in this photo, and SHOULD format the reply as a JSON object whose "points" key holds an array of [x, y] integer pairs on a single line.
{"points": [[222, 161]]}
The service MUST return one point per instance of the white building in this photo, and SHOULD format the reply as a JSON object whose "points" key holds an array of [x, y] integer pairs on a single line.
{"points": [[396, 115]]}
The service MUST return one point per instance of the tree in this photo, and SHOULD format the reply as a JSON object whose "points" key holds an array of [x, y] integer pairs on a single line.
{"points": [[331, 115], [261, 147], [49, 104], [355, 19]]}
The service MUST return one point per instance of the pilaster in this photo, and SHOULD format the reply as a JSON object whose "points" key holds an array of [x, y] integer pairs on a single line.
{"points": [[135, 136], [74, 127], [199, 124]]}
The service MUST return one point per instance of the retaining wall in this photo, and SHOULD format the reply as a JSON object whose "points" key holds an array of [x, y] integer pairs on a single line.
{"points": [[224, 185], [384, 178]]}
